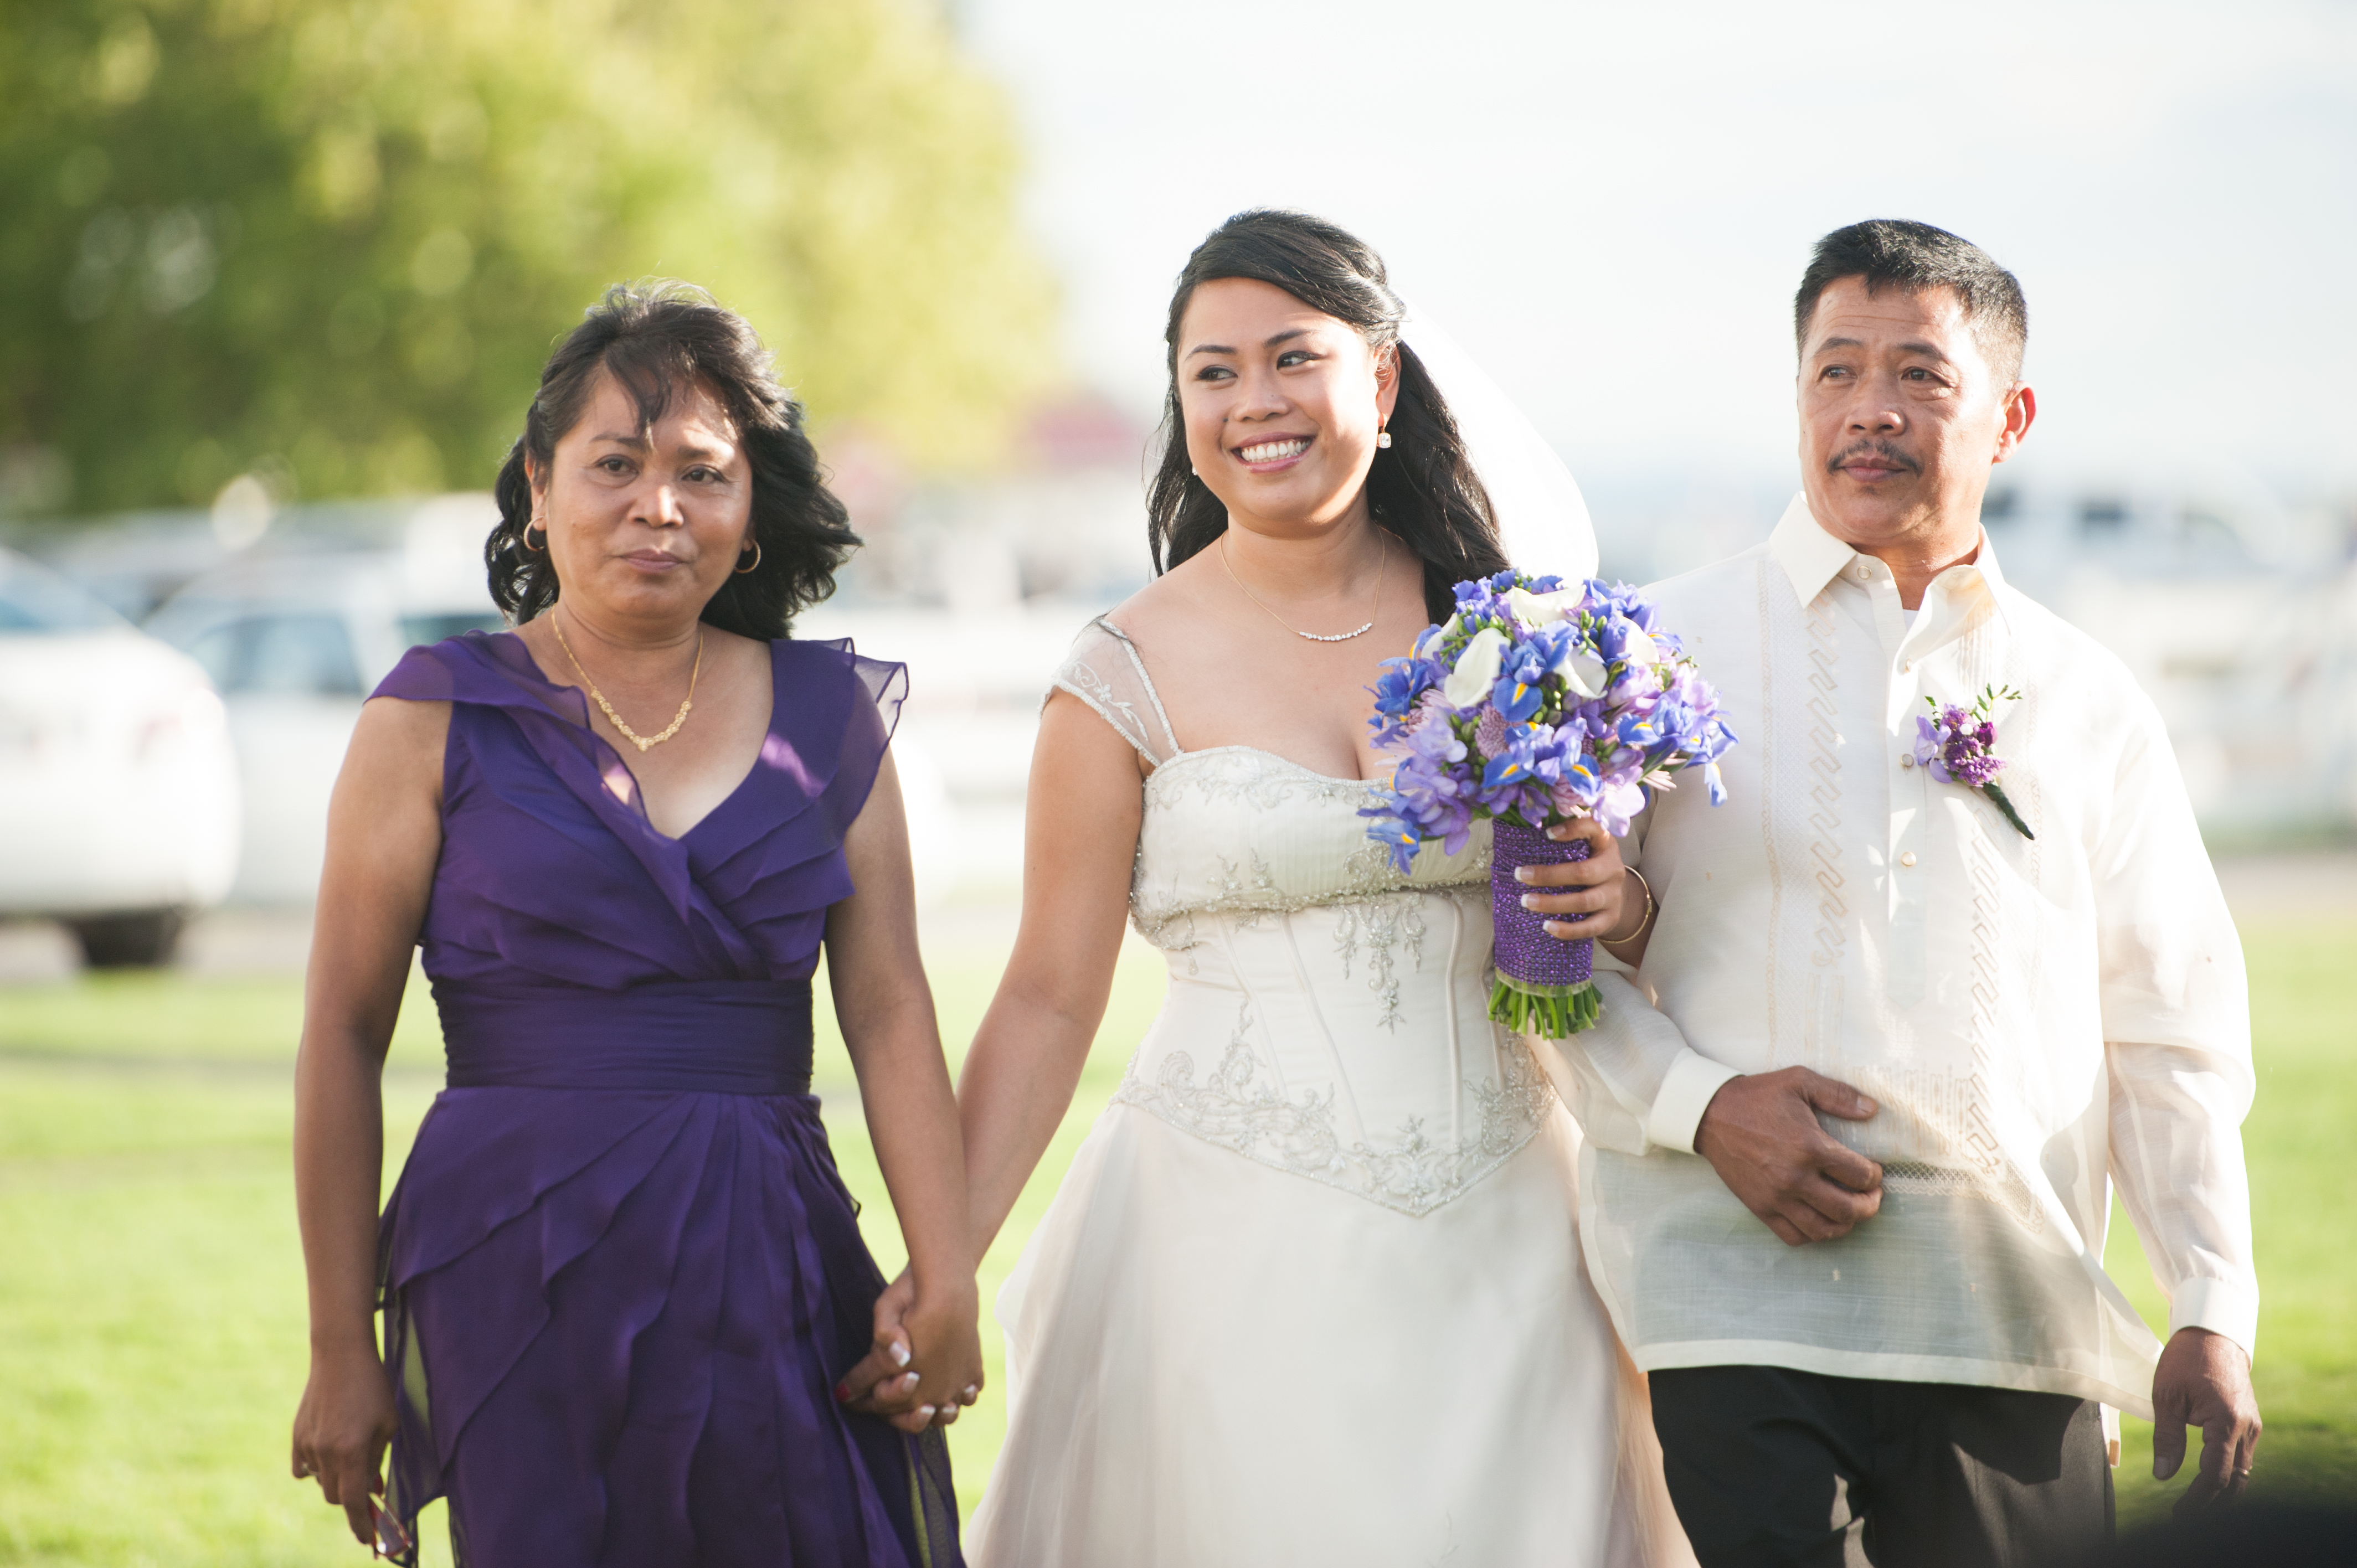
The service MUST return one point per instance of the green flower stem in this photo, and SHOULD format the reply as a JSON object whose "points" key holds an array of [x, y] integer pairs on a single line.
{"points": [[1995, 793], [1551, 1012]]}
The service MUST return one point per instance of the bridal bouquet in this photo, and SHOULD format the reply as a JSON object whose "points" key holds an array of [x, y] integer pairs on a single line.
{"points": [[1535, 705]]}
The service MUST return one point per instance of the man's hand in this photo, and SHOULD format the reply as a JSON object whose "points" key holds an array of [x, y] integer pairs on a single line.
{"points": [[1761, 1134], [2204, 1380]]}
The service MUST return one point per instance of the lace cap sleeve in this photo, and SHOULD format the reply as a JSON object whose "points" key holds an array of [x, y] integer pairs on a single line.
{"points": [[1104, 670]]}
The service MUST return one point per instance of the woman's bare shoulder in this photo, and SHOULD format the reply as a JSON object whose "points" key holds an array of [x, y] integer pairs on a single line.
{"points": [[1169, 609], [399, 743]]}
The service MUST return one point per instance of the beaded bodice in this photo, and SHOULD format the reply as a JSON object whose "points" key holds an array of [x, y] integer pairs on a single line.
{"points": [[1327, 1015]]}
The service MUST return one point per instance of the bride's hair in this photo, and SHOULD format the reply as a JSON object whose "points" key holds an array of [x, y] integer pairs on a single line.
{"points": [[1422, 487]]}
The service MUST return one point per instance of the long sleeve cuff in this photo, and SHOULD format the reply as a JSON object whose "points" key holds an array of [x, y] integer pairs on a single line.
{"points": [[2230, 1307], [1686, 1094]]}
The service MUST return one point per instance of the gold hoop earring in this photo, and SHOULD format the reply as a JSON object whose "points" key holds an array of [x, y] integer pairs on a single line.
{"points": [[541, 548], [757, 559]]}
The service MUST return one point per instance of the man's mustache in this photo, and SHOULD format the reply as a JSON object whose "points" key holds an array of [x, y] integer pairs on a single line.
{"points": [[1892, 457]]}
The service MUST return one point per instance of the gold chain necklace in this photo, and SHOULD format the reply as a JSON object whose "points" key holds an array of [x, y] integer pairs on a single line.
{"points": [[599, 697], [1382, 563]]}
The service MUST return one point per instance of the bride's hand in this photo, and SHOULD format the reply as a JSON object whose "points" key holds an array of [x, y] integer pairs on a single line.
{"points": [[1595, 893]]}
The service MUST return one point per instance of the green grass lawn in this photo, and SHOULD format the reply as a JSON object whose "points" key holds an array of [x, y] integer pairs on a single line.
{"points": [[151, 1294]]}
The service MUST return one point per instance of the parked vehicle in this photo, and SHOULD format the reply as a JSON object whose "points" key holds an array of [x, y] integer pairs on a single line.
{"points": [[118, 785], [295, 642]]}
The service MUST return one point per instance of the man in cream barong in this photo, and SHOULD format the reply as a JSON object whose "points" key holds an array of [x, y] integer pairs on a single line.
{"points": [[1854, 1122]]}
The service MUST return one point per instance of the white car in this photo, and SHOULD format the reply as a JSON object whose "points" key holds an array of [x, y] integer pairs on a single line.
{"points": [[295, 642], [118, 786]]}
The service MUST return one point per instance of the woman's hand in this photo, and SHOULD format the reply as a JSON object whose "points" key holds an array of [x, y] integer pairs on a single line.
{"points": [[342, 1430], [881, 1384], [893, 1383], [945, 1335], [1599, 901]]}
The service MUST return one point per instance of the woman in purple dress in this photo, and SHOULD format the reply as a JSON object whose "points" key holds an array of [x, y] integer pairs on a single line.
{"points": [[619, 1275]]}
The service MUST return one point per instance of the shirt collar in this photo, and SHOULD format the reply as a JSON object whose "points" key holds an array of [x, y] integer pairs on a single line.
{"points": [[1812, 557]]}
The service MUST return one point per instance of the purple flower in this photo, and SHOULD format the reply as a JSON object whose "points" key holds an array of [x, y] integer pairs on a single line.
{"points": [[1619, 798], [1490, 734], [1538, 712], [1959, 746]]}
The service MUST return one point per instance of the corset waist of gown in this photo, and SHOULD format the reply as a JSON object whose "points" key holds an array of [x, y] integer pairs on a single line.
{"points": [[697, 1036]]}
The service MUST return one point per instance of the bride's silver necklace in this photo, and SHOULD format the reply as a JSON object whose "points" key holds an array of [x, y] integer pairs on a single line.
{"points": [[1381, 562]]}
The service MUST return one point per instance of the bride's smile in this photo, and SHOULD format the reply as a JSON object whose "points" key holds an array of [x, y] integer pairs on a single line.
{"points": [[1271, 455]]}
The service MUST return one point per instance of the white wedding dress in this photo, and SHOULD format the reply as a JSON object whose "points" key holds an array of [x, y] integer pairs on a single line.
{"points": [[1312, 1291]]}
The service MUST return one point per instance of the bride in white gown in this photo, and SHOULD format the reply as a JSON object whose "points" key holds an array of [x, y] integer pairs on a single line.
{"points": [[1312, 1291]]}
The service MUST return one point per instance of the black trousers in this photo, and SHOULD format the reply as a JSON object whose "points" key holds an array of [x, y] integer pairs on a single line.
{"points": [[1773, 1468]]}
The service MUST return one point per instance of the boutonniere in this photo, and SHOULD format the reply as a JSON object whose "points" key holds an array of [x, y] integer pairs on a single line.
{"points": [[1958, 745]]}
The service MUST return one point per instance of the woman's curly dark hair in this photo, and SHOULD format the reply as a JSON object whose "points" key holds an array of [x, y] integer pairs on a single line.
{"points": [[1422, 487], [651, 337]]}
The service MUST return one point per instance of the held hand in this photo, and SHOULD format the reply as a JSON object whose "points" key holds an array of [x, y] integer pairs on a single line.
{"points": [[889, 1381], [2204, 1380], [1760, 1134], [946, 1336], [881, 1384], [1598, 897], [342, 1430]]}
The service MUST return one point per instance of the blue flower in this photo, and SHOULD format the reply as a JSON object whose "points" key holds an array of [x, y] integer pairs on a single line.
{"points": [[1519, 693], [1395, 834], [1398, 692]]}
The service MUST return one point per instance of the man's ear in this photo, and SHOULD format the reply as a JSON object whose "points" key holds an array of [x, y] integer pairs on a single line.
{"points": [[2021, 413]]}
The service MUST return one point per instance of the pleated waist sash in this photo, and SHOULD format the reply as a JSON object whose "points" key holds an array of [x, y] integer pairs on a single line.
{"points": [[697, 1036]]}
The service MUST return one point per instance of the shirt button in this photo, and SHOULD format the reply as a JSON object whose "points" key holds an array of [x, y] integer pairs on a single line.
{"points": [[1906, 759], [1907, 859]]}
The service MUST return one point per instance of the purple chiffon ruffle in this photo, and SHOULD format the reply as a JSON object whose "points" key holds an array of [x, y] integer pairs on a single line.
{"points": [[620, 1274]]}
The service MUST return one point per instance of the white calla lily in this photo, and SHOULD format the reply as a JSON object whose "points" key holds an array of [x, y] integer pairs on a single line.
{"points": [[1584, 674], [1535, 610], [1477, 669], [1640, 648]]}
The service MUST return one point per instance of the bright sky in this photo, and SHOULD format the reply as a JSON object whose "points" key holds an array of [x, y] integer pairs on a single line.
{"points": [[1609, 206]]}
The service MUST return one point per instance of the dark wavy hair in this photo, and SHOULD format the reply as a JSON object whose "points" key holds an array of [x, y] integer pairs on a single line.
{"points": [[652, 336], [1422, 487]]}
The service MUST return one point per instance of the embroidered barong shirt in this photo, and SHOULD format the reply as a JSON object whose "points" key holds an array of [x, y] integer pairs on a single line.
{"points": [[2036, 1020]]}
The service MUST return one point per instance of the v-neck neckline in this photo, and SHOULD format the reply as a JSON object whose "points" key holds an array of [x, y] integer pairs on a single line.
{"points": [[769, 734]]}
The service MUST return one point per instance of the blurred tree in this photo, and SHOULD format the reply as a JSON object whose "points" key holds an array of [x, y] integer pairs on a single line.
{"points": [[329, 242]]}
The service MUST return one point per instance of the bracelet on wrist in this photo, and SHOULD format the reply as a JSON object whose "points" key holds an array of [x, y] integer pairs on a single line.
{"points": [[1644, 925]]}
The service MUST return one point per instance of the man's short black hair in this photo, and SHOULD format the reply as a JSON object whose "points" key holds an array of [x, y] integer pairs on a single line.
{"points": [[1895, 253]]}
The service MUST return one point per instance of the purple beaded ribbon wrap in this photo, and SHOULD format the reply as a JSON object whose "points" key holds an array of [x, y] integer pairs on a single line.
{"points": [[1544, 985]]}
